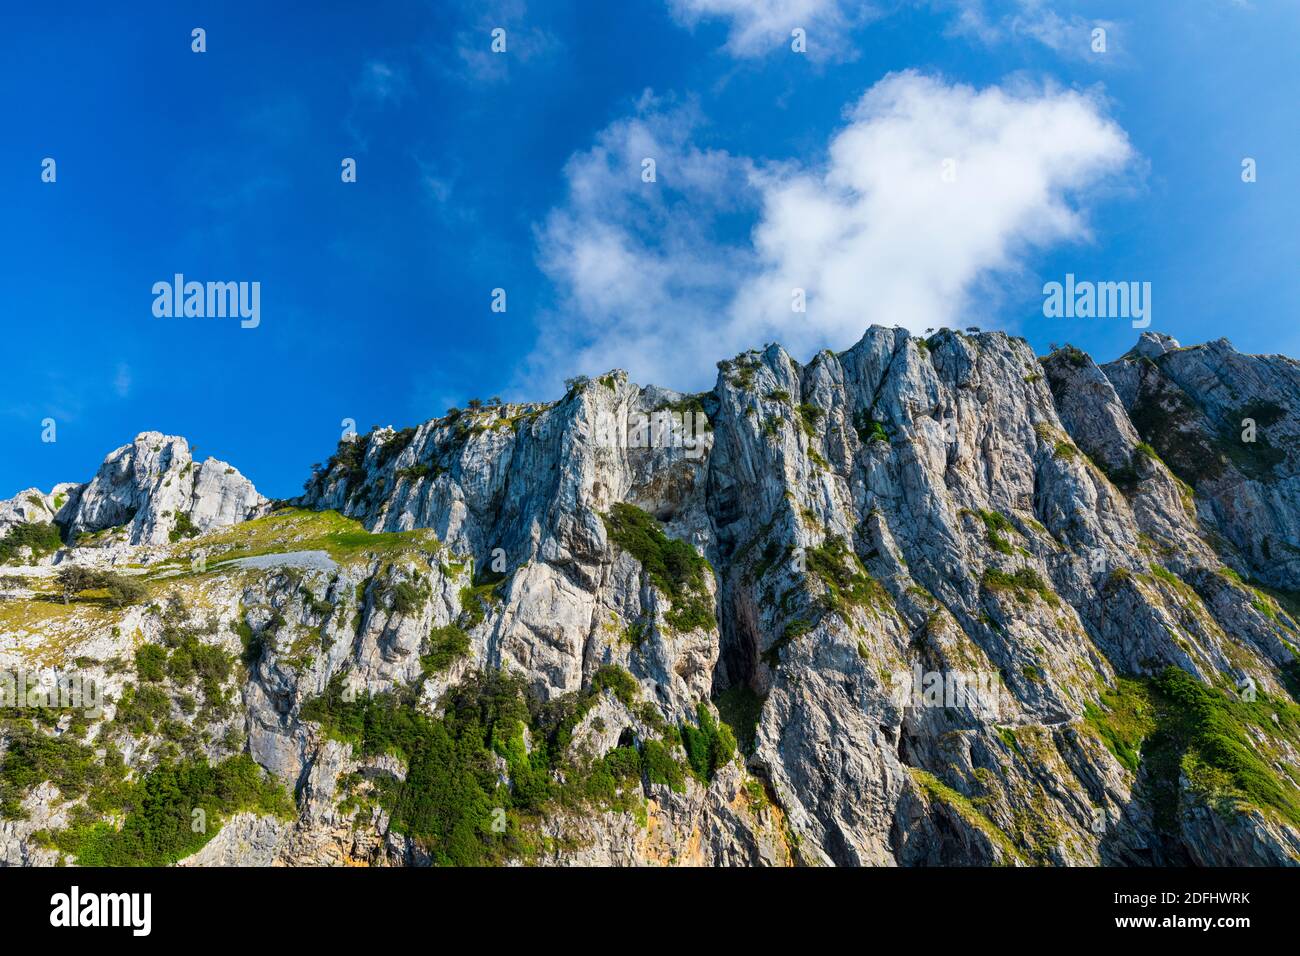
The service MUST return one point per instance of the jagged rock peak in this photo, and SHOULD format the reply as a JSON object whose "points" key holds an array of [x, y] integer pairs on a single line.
{"points": [[33, 505], [155, 488], [1154, 344]]}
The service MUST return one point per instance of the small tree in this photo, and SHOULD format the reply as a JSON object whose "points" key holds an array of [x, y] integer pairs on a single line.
{"points": [[123, 590], [74, 579]]}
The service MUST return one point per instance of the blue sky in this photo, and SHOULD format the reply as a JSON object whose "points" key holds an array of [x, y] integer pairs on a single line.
{"points": [[522, 170]]}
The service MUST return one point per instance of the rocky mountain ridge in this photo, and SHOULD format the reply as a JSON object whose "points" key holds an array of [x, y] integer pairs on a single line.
{"points": [[922, 602]]}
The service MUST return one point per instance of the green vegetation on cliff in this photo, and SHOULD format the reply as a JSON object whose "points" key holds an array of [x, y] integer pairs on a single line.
{"points": [[455, 800], [1173, 727], [41, 537], [174, 811], [674, 567]]}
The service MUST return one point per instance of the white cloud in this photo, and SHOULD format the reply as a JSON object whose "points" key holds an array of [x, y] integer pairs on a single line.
{"points": [[1069, 35], [634, 260], [878, 235], [665, 278], [758, 27]]}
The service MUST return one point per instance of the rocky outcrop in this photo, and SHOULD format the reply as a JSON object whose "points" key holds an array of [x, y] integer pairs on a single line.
{"points": [[1225, 424], [156, 492], [34, 506]]}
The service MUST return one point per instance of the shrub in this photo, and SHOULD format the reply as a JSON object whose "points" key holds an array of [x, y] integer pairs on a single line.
{"points": [[995, 521], [1075, 356], [624, 763], [32, 757], [453, 786], [446, 801], [476, 600], [446, 646], [253, 643], [183, 528], [846, 580], [123, 590], [809, 416], [744, 367], [397, 443], [41, 537], [150, 662], [1023, 581], [995, 525], [710, 746], [414, 473], [348, 460], [869, 430], [616, 679], [740, 708], [660, 767], [141, 709], [408, 597]]}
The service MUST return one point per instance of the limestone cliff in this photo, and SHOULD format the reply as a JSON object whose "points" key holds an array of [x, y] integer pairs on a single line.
{"points": [[924, 602]]}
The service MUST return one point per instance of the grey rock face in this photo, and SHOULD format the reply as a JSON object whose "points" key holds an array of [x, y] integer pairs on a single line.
{"points": [[153, 483], [1225, 424], [939, 471], [245, 840], [946, 579], [43, 811], [35, 506]]}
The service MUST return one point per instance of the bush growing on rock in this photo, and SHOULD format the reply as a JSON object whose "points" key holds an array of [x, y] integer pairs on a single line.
{"points": [[41, 538], [120, 589], [123, 590]]}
